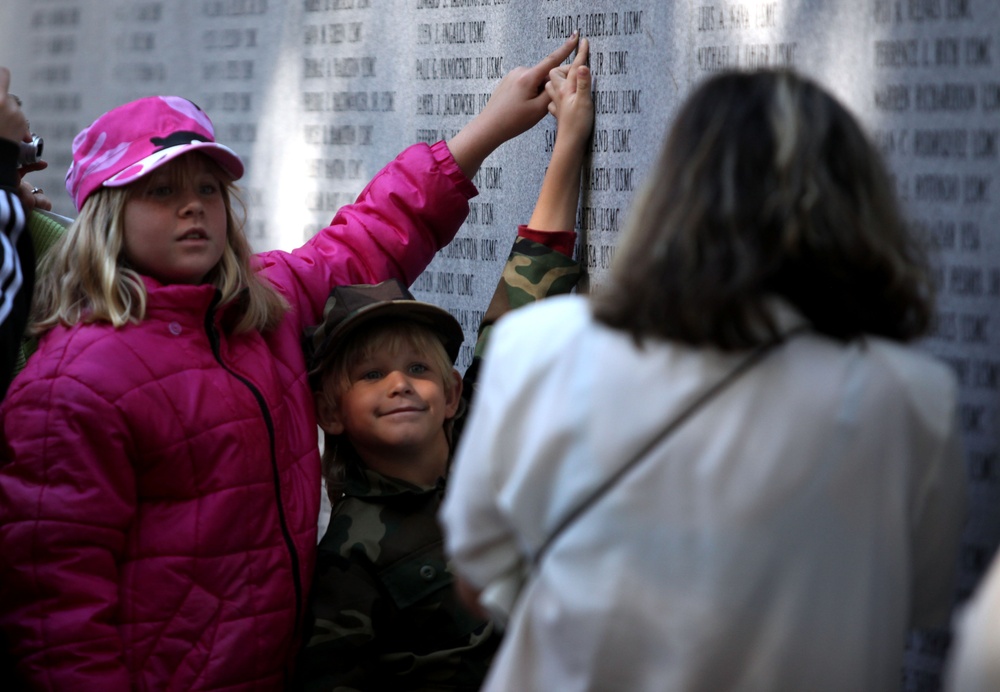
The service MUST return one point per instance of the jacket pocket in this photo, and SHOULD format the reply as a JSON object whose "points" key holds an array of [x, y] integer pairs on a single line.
{"points": [[417, 576]]}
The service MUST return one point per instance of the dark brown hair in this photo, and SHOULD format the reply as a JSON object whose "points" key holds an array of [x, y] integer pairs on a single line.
{"points": [[766, 186]]}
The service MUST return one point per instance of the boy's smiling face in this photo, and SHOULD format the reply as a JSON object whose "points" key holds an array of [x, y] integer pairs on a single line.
{"points": [[393, 409]]}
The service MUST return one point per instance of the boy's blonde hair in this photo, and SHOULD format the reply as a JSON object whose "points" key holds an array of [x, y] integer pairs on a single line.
{"points": [[86, 277], [389, 335]]}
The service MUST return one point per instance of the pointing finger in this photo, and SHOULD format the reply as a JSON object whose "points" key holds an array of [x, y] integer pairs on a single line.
{"points": [[556, 57], [583, 53]]}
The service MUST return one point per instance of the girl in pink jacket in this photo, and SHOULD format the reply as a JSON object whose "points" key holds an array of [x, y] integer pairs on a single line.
{"points": [[159, 479]]}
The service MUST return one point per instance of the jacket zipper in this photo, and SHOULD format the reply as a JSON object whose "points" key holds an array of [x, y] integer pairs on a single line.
{"points": [[213, 338]]}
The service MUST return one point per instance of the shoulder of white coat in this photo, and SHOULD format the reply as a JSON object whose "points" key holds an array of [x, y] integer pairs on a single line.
{"points": [[927, 383], [541, 328]]}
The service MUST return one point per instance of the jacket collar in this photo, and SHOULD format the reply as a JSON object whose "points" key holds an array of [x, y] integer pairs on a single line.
{"points": [[363, 482], [786, 316], [176, 300]]}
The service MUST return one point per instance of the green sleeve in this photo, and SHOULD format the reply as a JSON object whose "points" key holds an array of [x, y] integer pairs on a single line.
{"points": [[46, 230], [533, 271]]}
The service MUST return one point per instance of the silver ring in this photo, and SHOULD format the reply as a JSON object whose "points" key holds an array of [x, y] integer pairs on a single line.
{"points": [[37, 190]]}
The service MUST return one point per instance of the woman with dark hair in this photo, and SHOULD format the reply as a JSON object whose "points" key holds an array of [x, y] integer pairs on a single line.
{"points": [[794, 493], [767, 187]]}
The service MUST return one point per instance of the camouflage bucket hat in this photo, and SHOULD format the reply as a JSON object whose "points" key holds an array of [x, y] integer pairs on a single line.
{"points": [[350, 307]]}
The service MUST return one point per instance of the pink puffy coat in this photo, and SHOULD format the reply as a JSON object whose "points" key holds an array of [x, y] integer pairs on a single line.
{"points": [[160, 483]]}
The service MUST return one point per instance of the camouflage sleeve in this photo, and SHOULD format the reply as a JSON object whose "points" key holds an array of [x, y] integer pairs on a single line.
{"points": [[533, 271]]}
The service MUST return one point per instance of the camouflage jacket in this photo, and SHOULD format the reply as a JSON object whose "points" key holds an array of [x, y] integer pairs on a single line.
{"points": [[385, 614]]}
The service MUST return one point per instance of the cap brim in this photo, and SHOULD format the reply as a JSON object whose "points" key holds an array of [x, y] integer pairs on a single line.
{"points": [[431, 316], [221, 154]]}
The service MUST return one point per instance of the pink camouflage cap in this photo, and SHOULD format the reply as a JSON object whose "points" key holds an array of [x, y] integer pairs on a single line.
{"points": [[134, 139]]}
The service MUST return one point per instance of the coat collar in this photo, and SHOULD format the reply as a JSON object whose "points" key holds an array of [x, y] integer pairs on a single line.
{"points": [[363, 482]]}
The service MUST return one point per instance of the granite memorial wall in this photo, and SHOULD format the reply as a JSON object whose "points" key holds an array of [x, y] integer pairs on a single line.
{"points": [[317, 95]]}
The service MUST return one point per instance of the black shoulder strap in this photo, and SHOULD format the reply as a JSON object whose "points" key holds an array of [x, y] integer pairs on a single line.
{"points": [[664, 432]]}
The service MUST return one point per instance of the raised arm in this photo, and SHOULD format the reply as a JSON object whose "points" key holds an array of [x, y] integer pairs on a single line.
{"points": [[519, 101], [573, 106], [540, 263]]}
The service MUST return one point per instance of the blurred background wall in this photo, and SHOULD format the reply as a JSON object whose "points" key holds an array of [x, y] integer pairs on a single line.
{"points": [[317, 95]]}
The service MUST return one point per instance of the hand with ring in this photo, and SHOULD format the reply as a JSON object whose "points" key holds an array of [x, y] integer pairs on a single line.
{"points": [[33, 197]]}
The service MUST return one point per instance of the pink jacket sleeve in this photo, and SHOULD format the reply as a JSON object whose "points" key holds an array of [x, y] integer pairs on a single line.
{"points": [[61, 575], [411, 209]]}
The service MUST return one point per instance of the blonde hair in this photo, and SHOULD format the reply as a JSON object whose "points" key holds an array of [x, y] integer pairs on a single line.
{"points": [[86, 277], [389, 335]]}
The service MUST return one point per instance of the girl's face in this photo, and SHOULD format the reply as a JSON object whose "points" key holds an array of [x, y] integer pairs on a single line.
{"points": [[175, 222]]}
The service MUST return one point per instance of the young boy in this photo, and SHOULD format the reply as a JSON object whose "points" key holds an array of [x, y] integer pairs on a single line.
{"points": [[386, 613]]}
